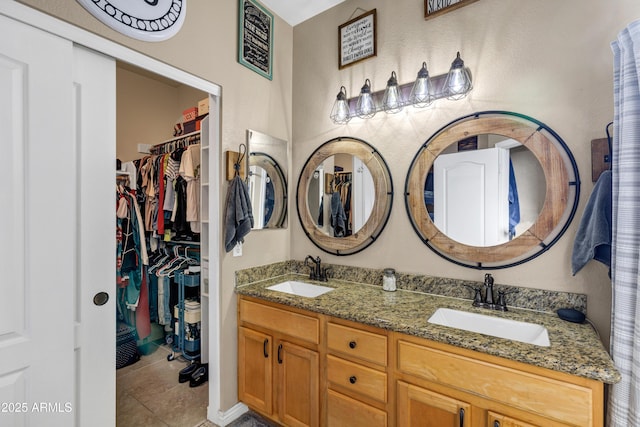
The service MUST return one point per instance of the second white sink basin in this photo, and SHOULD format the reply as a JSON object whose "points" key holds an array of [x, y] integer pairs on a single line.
{"points": [[300, 289], [530, 333]]}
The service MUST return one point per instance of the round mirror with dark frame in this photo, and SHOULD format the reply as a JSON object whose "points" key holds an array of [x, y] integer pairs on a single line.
{"points": [[344, 195], [492, 190]]}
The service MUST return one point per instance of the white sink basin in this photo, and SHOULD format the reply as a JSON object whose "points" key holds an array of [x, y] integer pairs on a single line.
{"points": [[300, 289], [489, 325]]}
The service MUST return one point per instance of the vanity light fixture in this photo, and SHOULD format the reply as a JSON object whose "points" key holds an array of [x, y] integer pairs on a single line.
{"points": [[458, 82], [340, 113], [420, 93], [366, 106], [392, 101]]}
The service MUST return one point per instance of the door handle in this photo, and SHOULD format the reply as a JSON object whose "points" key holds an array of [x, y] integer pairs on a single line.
{"points": [[100, 298], [461, 417], [264, 348], [280, 354]]}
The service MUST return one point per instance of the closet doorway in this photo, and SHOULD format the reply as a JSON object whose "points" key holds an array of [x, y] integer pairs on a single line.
{"points": [[59, 337], [163, 378]]}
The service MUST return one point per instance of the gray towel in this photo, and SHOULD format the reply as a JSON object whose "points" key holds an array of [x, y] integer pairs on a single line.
{"points": [[238, 218], [593, 239]]}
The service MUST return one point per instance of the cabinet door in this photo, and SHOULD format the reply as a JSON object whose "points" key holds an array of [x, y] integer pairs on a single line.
{"points": [[298, 385], [343, 410], [498, 420], [417, 406], [255, 369]]}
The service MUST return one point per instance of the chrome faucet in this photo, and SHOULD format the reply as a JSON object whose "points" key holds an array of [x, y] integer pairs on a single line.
{"points": [[316, 272]]}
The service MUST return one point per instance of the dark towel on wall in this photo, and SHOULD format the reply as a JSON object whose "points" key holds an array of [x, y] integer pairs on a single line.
{"points": [[238, 219], [593, 239]]}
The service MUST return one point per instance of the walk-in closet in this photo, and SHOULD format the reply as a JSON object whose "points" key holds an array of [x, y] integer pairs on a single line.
{"points": [[161, 200]]}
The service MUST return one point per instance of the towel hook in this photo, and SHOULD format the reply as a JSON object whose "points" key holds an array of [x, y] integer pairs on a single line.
{"points": [[242, 149], [609, 142]]}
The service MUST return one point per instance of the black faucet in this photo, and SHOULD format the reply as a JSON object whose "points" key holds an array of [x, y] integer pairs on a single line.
{"points": [[488, 284], [488, 300], [316, 272]]}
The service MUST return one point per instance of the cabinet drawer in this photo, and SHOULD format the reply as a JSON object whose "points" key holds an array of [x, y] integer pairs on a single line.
{"points": [[341, 408], [354, 378], [548, 397], [296, 325], [357, 343]]}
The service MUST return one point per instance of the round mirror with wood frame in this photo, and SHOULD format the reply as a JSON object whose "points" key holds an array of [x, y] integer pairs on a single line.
{"points": [[274, 202], [382, 193], [562, 189]]}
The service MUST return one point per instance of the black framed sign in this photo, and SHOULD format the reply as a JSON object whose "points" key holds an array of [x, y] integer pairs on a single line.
{"points": [[433, 8], [255, 37], [357, 39]]}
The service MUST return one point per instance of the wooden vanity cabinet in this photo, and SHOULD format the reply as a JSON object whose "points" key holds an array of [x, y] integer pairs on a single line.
{"points": [[439, 380], [357, 379], [278, 363], [300, 368]]}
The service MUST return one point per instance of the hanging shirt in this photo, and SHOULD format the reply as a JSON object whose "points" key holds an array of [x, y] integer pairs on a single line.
{"points": [[190, 171]]}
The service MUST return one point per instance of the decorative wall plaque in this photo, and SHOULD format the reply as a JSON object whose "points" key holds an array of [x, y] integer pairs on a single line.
{"points": [[433, 8], [357, 39], [255, 38], [147, 20]]}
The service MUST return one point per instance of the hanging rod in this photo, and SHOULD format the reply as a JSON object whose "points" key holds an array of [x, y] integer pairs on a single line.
{"points": [[178, 138], [161, 147]]}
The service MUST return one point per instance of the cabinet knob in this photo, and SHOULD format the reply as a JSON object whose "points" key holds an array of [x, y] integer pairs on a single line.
{"points": [[352, 344], [353, 379]]}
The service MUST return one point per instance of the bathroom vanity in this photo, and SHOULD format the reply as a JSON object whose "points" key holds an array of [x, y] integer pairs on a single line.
{"points": [[365, 357]]}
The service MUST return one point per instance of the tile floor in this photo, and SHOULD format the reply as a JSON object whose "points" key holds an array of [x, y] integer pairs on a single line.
{"points": [[148, 394]]}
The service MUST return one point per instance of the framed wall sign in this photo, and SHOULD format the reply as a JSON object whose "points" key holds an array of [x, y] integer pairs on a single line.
{"points": [[255, 38], [357, 39], [433, 8], [148, 20]]}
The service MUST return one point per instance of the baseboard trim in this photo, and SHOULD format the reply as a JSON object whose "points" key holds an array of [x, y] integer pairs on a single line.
{"points": [[225, 418]]}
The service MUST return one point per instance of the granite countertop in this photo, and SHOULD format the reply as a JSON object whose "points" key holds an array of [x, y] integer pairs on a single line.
{"points": [[575, 348]]}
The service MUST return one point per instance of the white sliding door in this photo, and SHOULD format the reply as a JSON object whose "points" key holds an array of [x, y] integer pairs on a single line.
{"points": [[94, 83], [38, 215]]}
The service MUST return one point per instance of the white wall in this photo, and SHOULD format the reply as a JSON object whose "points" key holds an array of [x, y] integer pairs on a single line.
{"points": [[546, 59]]}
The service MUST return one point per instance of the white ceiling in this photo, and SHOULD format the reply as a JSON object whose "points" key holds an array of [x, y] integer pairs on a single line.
{"points": [[297, 11]]}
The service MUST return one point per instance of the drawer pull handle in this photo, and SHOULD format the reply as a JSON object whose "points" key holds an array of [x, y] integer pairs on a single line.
{"points": [[352, 344], [280, 354], [461, 417], [496, 424], [264, 348], [353, 379]]}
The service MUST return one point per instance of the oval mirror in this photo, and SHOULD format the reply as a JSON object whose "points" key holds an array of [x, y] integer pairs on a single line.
{"points": [[267, 190], [344, 196], [492, 190]]}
